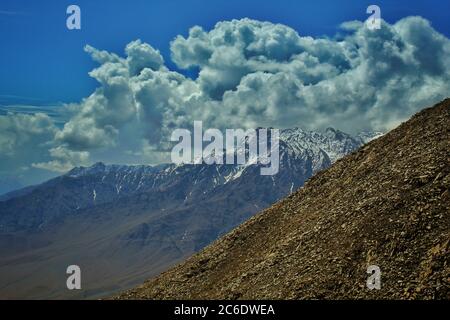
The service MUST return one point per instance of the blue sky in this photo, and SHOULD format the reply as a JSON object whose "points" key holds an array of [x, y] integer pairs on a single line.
{"points": [[290, 64], [42, 62]]}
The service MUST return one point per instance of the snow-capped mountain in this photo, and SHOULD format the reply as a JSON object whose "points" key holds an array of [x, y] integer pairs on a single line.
{"points": [[152, 215], [367, 136]]}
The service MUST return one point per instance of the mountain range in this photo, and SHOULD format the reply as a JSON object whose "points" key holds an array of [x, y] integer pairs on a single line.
{"points": [[385, 207], [122, 224]]}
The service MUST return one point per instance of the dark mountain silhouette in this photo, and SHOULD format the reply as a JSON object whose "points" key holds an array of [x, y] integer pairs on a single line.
{"points": [[387, 204]]}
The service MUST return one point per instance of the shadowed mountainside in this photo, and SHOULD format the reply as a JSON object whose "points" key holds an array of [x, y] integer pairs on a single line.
{"points": [[387, 204]]}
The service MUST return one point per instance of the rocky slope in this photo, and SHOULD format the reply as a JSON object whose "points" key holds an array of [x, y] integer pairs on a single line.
{"points": [[123, 224], [387, 205]]}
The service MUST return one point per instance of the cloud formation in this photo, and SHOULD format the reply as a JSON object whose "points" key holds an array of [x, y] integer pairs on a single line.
{"points": [[20, 132], [251, 74]]}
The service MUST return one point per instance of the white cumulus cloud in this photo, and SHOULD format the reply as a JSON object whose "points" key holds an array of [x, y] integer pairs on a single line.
{"points": [[251, 74]]}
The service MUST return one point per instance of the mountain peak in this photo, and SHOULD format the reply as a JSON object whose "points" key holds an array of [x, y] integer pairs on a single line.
{"points": [[386, 205], [79, 171], [98, 165]]}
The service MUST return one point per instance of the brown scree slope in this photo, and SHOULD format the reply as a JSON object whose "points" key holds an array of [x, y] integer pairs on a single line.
{"points": [[388, 204]]}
